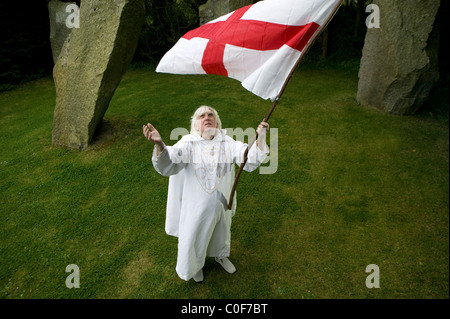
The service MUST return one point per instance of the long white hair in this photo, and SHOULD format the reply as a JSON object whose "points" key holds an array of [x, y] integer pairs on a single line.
{"points": [[195, 130]]}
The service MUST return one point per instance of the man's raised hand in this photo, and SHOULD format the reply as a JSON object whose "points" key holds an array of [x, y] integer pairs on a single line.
{"points": [[262, 129], [153, 136]]}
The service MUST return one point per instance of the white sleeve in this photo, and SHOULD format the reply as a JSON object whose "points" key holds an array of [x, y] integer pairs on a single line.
{"points": [[172, 159], [255, 155]]}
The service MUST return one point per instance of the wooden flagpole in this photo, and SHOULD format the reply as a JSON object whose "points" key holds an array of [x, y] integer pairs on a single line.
{"points": [[266, 119]]}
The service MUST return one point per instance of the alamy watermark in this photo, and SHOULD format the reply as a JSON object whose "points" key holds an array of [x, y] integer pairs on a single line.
{"points": [[373, 280], [73, 19], [73, 280], [373, 20], [240, 135]]}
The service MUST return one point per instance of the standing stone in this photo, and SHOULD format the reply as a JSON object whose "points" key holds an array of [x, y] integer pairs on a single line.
{"points": [[216, 8], [58, 29], [396, 75], [90, 66]]}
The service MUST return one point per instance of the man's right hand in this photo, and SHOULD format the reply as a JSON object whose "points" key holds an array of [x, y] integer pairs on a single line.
{"points": [[153, 136]]}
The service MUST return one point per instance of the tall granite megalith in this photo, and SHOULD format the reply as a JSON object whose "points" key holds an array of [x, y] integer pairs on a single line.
{"points": [[216, 8], [396, 75], [90, 66]]}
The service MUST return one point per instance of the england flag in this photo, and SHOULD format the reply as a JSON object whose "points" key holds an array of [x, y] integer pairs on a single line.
{"points": [[257, 45]]}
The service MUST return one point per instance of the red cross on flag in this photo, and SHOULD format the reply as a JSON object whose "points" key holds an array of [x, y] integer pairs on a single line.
{"points": [[257, 45]]}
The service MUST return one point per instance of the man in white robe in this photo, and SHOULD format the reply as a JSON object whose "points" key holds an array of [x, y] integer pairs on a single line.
{"points": [[201, 169]]}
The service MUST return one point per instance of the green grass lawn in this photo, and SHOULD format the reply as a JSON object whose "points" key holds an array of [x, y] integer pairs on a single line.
{"points": [[353, 187]]}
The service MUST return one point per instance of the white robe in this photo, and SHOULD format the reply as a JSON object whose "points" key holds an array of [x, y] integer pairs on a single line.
{"points": [[201, 177]]}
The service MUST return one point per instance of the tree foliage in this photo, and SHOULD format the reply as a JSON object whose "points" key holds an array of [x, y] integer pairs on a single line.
{"points": [[25, 51], [166, 21]]}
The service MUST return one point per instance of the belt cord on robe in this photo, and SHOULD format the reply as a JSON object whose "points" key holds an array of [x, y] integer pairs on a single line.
{"points": [[266, 119]]}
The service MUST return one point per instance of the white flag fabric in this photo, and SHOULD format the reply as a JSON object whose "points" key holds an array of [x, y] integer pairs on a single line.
{"points": [[257, 45]]}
